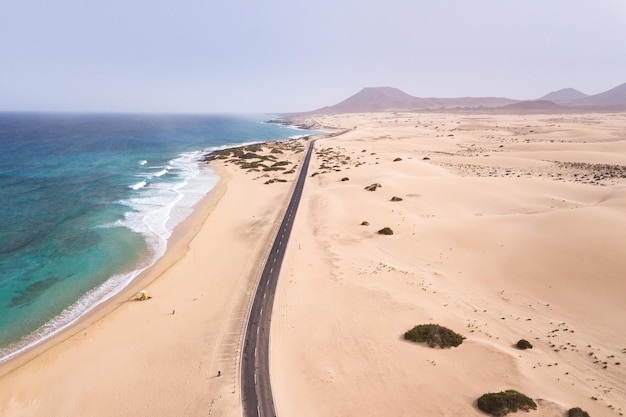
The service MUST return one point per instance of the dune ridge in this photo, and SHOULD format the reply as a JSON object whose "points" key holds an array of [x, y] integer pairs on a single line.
{"points": [[499, 236]]}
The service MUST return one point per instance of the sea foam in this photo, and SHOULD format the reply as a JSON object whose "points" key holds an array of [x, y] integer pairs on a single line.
{"points": [[153, 212]]}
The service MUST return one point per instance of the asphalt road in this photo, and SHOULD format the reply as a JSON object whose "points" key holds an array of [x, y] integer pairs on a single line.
{"points": [[256, 391]]}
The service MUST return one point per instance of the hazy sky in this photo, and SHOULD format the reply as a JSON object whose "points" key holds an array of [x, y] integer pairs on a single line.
{"points": [[298, 55]]}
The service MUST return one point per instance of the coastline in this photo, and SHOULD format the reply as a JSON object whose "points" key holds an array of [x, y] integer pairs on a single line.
{"points": [[509, 227], [176, 246], [187, 332]]}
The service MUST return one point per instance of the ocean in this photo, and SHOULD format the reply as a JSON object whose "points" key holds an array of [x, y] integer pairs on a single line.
{"points": [[88, 201]]}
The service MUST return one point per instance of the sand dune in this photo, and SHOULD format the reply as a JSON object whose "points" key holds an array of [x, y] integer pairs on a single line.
{"points": [[497, 243], [508, 227]]}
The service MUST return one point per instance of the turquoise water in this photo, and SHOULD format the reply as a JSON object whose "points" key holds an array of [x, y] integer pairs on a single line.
{"points": [[89, 201]]}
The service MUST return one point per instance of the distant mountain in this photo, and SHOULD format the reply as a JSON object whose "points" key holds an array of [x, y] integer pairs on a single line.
{"points": [[614, 98], [373, 99], [563, 96], [378, 99]]}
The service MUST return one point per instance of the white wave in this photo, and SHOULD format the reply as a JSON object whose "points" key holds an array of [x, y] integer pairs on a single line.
{"points": [[142, 162], [71, 314], [139, 185], [155, 212], [157, 209], [161, 172]]}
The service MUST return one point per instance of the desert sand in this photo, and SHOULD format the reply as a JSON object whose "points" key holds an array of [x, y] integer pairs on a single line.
{"points": [[509, 227]]}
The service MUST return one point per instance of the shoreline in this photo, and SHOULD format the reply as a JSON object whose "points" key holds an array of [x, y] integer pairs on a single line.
{"points": [[179, 240], [146, 354], [130, 290], [501, 231]]}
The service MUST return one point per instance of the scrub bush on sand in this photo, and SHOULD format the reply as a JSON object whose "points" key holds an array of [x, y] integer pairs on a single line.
{"points": [[501, 403], [434, 335]]}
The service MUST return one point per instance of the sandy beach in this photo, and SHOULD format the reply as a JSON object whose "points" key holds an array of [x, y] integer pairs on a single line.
{"points": [[508, 227], [161, 357]]}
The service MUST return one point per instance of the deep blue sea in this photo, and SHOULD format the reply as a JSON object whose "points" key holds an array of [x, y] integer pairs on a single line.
{"points": [[89, 201]]}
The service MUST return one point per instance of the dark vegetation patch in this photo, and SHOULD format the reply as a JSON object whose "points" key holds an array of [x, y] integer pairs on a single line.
{"points": [[434, 335], [345, 179], [373, 187], [273, 180], [385, 231], [365, 223], [397, 160], [255, 157], [280, 164], [394, 198], [501, 403], [579, 172], [523, 344], [577, 412]]}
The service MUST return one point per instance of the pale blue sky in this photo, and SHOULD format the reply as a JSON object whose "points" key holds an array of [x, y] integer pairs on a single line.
{"points": [[298, 55]]}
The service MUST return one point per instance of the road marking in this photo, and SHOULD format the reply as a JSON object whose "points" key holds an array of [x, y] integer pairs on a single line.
{"points": [[255, 352], [258, 411], [255, 379], [257, 329]]}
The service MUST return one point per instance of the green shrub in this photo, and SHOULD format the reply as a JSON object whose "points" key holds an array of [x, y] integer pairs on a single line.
{"points": [[434, 335], [577, 412], [501, 403], [385, 231]]}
